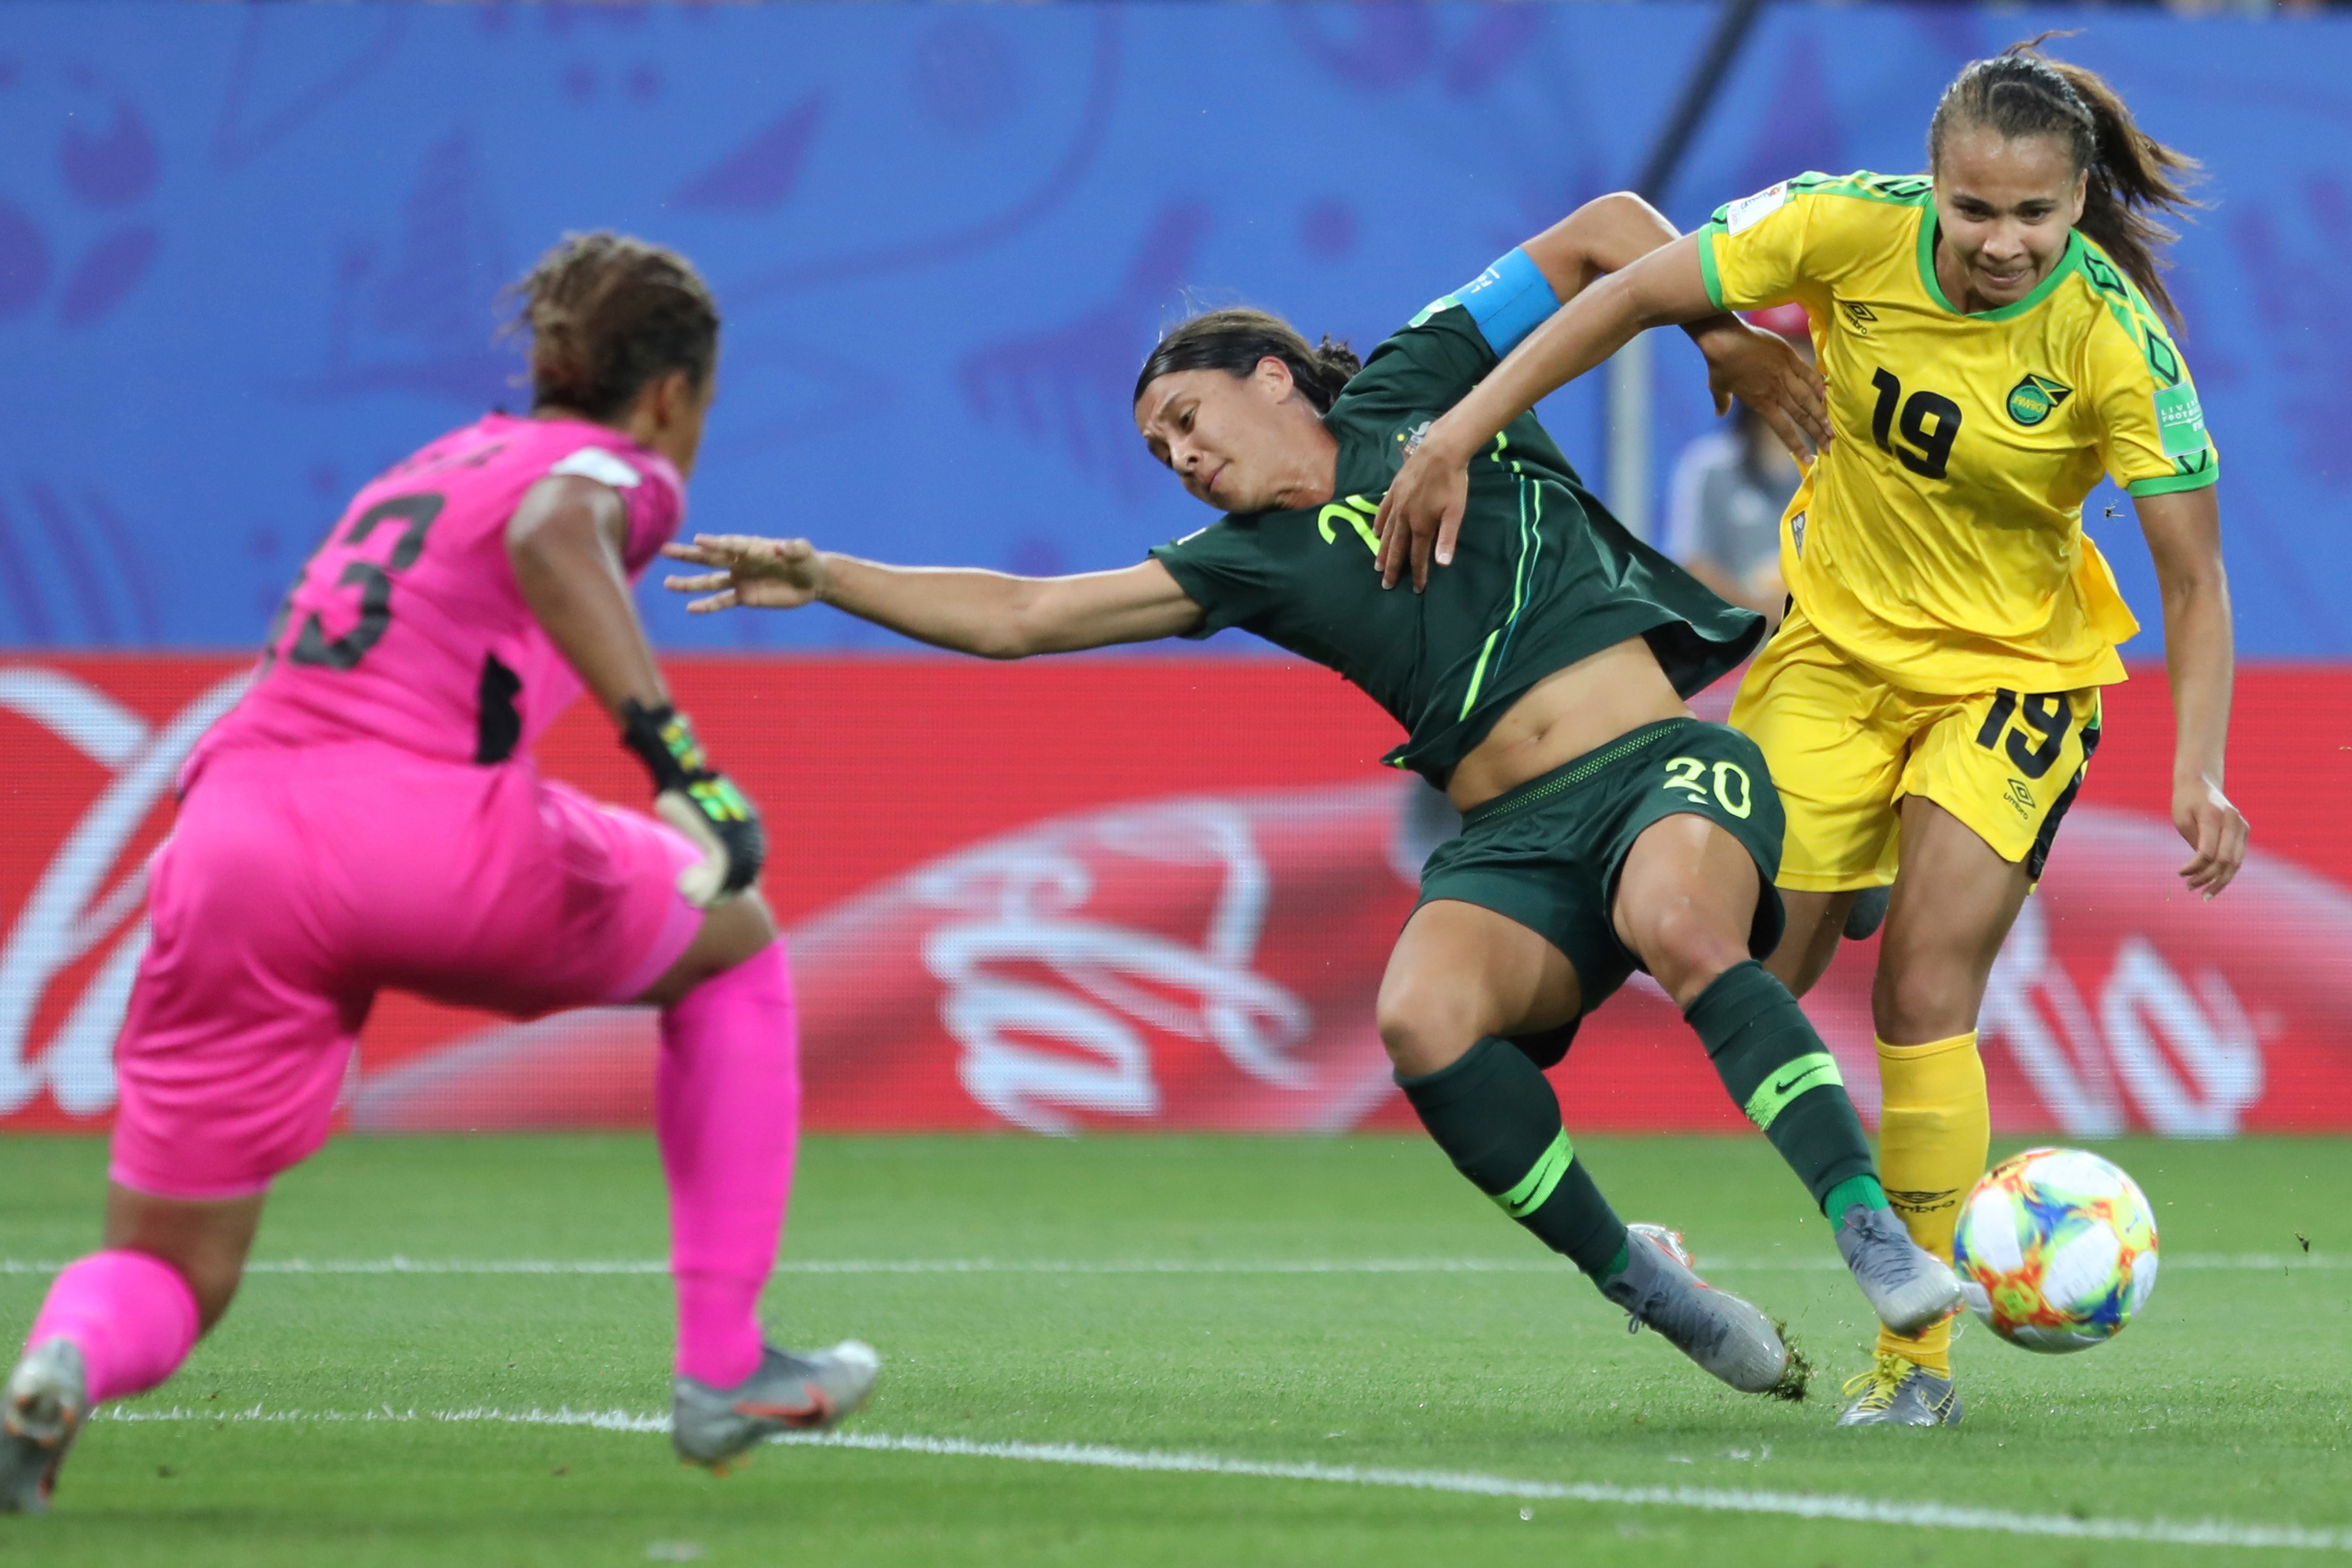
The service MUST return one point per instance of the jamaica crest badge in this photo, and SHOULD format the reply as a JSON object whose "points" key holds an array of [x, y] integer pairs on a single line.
{"points": [[2031, 401]]}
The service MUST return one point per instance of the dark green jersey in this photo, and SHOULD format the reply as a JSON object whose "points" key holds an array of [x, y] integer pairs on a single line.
{"points": [[1542, 575]]}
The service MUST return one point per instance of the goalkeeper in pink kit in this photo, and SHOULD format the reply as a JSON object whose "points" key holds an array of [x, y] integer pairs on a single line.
{"points": [[368, 816]]}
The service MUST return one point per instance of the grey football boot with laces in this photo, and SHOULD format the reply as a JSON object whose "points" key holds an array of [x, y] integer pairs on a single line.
{"points": [[1897, 1393], [40, 1415], [787, 1392], [1908, 1287], [1724, 1334]]}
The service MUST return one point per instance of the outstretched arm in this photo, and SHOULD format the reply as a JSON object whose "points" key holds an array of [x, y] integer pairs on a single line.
{"points": [[991, 614], [566, 543], [1606, 236], [1619, 268], [1662, 287], [2184, 535]]}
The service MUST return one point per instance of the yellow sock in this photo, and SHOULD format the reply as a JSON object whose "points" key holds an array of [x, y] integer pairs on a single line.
{"points": [[1934, 1128]]}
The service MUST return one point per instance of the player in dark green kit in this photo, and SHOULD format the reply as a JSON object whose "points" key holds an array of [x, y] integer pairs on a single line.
{"points": [[1540, 682]]}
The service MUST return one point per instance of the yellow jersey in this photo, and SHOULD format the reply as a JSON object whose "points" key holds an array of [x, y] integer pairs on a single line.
{"points": [[1938, 539]]}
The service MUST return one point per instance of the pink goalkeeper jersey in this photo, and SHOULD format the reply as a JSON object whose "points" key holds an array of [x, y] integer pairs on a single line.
{"points": [[407, 624]]}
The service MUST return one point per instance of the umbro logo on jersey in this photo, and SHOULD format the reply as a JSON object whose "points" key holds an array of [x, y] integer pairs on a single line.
{"points": [[2032, 400], [1858, 316], [2018, 795]]}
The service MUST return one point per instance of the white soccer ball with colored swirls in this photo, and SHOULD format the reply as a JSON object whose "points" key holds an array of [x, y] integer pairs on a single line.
{"points": [[2055, 1249]]}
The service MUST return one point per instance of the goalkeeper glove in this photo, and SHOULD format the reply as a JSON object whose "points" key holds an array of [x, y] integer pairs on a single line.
{"points": [[699, 801]]}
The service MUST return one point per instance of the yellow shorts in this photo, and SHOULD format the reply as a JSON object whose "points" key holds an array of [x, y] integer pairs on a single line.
{"points": [[1844, 748]]}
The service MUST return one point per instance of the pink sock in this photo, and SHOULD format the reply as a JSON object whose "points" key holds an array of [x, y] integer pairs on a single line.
{"points": [[129, 1314], [727, 1105]]}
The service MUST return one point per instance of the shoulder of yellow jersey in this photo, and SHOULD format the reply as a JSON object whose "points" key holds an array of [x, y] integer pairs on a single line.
{"points": [[1832, 192], [1830, 208], [2124, 329], [1791, 239]]}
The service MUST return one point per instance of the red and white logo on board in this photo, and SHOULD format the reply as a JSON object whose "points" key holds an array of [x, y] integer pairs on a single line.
{"points": [[89, 788]]}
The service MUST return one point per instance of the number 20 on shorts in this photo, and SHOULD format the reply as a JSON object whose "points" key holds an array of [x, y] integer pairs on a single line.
{"points": [[1732, 790]]}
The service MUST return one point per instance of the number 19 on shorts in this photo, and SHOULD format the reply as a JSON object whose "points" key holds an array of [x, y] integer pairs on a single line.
{"points": [[1731, 787]]}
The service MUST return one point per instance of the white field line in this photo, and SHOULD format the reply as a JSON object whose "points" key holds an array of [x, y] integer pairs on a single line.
{"points": [[1711, 1499], [2241, 1262]]}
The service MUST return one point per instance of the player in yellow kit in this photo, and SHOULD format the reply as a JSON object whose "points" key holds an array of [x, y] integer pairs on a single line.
{"points": [[1931, 702]]}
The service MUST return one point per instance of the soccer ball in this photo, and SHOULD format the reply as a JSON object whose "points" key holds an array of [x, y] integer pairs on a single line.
{"points": [[2056, 1250]]}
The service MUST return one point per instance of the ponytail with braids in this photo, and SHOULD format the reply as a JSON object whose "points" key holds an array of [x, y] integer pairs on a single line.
{"points": [[2023, 92], [1236, 341]]}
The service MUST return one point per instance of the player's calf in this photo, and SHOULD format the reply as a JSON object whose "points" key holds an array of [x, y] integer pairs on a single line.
{"points": [[1496, 1117], [1777, 1069]]}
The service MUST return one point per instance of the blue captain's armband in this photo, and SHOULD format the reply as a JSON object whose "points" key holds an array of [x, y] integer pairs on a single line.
{"points": [[1508, 300]]}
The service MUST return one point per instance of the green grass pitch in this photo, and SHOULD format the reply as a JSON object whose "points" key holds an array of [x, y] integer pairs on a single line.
{"points": [[1223, 1339]]}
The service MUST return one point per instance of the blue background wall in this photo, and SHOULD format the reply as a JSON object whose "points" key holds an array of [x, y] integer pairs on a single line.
{"points": [[249, 256]]}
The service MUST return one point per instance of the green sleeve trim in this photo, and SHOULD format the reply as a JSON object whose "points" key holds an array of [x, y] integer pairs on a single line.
{"points": [[2131, 312], [1707, 234], [1443, 302], [1538, 1183], [2172, 484], [1894, 190], [1815, 1070]]}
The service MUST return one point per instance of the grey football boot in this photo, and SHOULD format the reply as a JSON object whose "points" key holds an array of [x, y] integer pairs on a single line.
{"points": [[1898, 1393], [1908, 1287], [1724, 1334], [787, 1392], [40, 1415]]}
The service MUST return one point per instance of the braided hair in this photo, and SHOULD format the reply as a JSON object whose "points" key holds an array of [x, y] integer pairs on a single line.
{"points": [[1236, 341], [2023, 92]]}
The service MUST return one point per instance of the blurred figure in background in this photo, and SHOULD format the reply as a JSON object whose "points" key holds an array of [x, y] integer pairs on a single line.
{"points": [[1729, 488]]}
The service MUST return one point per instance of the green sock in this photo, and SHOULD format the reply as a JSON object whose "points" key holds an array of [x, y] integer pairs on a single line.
{"points": [[1498, 1120], [1864, 1190], [1766, 1052]]}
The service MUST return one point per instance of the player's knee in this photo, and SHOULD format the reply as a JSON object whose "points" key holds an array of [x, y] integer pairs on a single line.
{"points": [[733, 933], [1916, 1002], [1423, 1031], [750, 928], [214, 1287], [1685, 947], [210, 1265]]}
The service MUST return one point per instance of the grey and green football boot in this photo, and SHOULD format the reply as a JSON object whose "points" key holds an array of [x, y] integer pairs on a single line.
{"points": [[1908, 1287], [1898, 1393], [1724, 1334], [40, 1415], [787, 1392]]}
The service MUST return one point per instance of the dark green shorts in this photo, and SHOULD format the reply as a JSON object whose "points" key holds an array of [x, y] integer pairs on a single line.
{"points": [[1548, 853]]}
